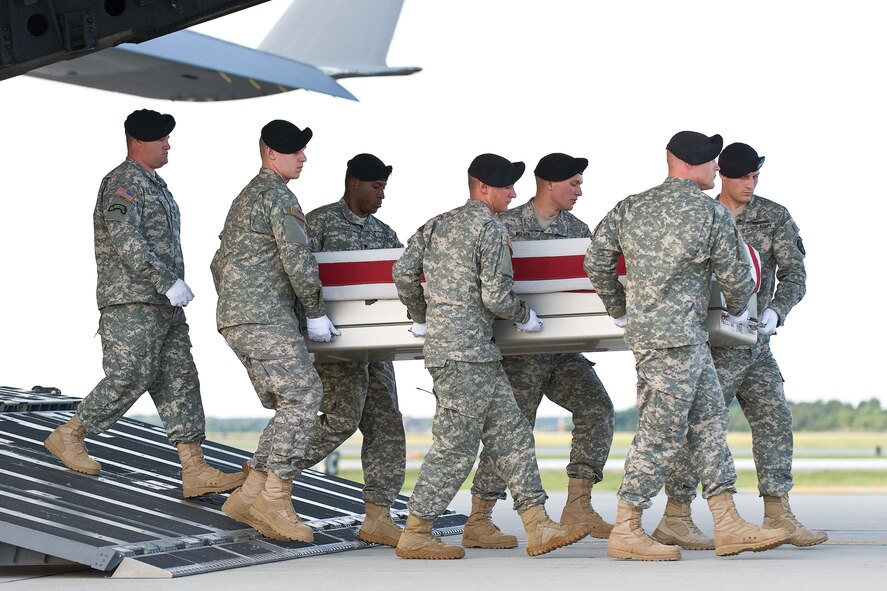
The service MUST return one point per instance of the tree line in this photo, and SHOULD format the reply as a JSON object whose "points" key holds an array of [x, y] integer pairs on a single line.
{"points": [[830, 415], [821, 415]]}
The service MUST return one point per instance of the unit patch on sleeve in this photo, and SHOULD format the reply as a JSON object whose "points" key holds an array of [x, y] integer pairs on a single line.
{"points": [[294, 226], [122, 202]]}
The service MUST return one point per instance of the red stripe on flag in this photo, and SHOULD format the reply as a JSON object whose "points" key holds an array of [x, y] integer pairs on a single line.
{"points": [[553, 268], [525, 269], [360, 273], [757, 264], [548, 268]]}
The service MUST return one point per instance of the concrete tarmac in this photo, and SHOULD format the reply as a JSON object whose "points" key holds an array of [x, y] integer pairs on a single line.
{"points": [[855, 557]]}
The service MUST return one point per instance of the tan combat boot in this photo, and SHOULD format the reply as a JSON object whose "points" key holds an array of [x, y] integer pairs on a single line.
{"points": [[778, 514], [629, 541], [66, 443], [480, 531], [677, 528], [579, 510], [733, 534], [274, 508], [544, 535], [378, 527], [417, 541], [198, 477], [238, 503]]}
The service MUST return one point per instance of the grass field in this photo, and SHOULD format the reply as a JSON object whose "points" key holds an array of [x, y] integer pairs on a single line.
{"points": [[830, 445], [826, 481]]}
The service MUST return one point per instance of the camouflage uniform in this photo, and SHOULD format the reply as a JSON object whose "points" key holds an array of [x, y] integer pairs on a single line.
{"points": [[567, 379], [751, 374], [262, 269], [358, 395], [465, 257], [673, 236], [145, 342]]}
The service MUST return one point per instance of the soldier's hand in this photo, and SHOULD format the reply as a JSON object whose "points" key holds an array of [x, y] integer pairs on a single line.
{"points": [[741, 319], [179, 294], [533, 324], [419, 329], [767, 322], [322, 330], [622, 321]]}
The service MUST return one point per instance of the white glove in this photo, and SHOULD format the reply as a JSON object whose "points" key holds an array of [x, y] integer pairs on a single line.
{"points": [[767, 322], [419, 329], [622, 321], [741, 319], [533, 323], [179, 294], [321, 329]]}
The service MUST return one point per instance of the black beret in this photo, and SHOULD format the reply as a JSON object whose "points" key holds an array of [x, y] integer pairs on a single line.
{"points": [[560, 167], [495, 171], [695, 148], [284, 137], [366, 167], [737, 160], [148, 126]]}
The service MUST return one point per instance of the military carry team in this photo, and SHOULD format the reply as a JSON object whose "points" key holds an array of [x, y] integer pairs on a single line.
{"points": [[672, 237]]}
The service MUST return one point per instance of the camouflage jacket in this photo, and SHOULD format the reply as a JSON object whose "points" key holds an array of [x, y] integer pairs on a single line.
{"points": [[673, 237], [263, 264], [522, 224], [138, 249], [466, 259], [769, 227], [335, 227]]}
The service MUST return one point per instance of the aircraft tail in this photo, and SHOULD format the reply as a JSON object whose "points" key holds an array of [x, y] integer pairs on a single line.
{"points": [[343, 38]]}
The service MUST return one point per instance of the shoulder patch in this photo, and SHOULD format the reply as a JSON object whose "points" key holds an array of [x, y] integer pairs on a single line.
{"points": [[800, 244], [294, 225], [125, 193], [510, 247]]}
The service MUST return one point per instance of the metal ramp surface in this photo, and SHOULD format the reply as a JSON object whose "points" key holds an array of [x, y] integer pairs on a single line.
{"points": [[131, 519]]}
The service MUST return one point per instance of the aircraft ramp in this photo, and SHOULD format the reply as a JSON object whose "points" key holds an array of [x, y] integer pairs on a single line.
{"points": [[131, 520]]}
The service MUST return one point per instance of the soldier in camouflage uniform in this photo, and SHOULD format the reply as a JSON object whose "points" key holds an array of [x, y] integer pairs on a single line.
{"points": [[361, 395], [141, 293], [750, 374], [465, 257], [568, 379], [262, 270], [673, 237]]}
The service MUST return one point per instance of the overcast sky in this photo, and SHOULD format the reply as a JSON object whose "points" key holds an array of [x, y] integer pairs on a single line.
{"points": [[802, 83]]}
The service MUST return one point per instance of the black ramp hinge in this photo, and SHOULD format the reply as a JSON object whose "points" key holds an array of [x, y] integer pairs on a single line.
{"points": [[5, 45], [78, 30]]}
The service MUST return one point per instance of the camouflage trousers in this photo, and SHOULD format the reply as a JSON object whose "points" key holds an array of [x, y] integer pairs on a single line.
{"points": [[146, 348], [278, 365], [752, 377], [569, 380], [474, 405], [680, 407], [362, 396]]}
